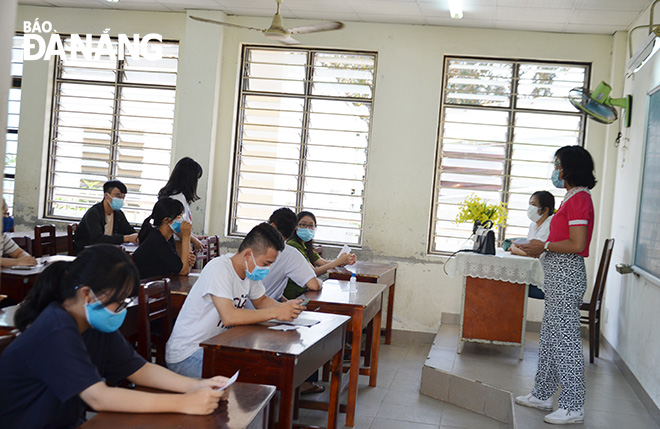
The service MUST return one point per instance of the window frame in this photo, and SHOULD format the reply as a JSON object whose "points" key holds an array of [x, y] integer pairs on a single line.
{"points": [[504, 192], [307, 96], [57, 81]]}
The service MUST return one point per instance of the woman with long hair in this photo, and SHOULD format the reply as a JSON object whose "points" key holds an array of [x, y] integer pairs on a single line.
{"points": [[70, 350], [182, 186], [303, 240], [561, 361], [157, 255]]}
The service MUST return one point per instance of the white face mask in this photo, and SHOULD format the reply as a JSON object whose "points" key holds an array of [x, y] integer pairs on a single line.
{"points": [[533, 213]]}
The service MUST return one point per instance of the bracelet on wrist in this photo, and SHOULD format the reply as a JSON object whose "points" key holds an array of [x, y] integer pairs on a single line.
{"points": [[547, 246]]}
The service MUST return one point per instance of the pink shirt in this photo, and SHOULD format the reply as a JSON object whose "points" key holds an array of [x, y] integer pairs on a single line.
{"points": [[577, 210]]}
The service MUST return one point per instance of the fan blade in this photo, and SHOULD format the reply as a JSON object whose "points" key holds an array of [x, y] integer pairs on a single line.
{"points": [[226, 24], [283, 38], [324, 26]]}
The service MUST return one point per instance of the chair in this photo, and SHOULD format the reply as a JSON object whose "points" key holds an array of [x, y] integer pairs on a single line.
{"points": [[592, 318], [44, 240], [7, 335], [70, 232], [202, 256], [212, 248], [24, 242], [154, 304]]}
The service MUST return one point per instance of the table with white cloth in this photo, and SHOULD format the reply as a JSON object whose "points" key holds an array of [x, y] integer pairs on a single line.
{"points": [[494, 302]]}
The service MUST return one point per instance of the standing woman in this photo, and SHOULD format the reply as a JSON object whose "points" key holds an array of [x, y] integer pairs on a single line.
{"points": [[561, 361], [70, 347], [182, 186], [157, 254], [302, 239]]}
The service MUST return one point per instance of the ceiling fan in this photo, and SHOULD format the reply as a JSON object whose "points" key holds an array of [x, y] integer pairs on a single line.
{"points": [[277, 31]]}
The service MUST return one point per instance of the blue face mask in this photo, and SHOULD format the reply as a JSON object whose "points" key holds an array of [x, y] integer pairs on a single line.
{"points": [[559, 183], [7, 224], [102, 319], [305, 234], [176, 225], [258, 274], [117, 203]]}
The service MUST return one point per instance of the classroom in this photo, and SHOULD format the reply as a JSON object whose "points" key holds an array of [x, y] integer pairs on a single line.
{"points": [[385, 140]]}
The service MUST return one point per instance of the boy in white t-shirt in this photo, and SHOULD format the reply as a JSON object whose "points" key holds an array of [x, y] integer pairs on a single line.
{"points": [[217, 300]]}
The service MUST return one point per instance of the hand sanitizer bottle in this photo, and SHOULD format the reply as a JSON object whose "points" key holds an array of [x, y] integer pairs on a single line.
{"points": [[353, 284]]}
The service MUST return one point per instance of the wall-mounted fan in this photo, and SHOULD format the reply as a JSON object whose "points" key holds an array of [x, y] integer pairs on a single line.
{"points": [[598, 105], [277, 31]]}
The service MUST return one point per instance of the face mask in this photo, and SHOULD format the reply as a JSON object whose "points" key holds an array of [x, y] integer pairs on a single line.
{"points": [[102, 319], [7, 224], [176, 226], [533, 213], [559, 183], [305, 234], [258, 274], [117, 203]]}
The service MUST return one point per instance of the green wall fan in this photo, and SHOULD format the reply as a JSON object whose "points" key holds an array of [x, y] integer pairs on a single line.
{"points": [[598, 105]]}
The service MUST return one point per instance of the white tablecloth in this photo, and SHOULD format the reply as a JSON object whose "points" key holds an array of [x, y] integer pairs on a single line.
{"points": [[503, 266]]}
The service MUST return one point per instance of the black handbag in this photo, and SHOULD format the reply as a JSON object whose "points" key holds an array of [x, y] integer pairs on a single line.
{"points": [[484, 238]]}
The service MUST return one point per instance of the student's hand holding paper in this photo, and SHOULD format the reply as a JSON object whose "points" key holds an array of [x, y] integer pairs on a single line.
{"points": [[203, 401], [343, 259], [287, 311], [216, 383]]}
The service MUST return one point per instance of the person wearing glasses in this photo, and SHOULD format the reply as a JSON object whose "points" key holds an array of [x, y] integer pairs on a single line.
{"points": [[561, 360], [104, 222], [70, 352], [303, 240]]}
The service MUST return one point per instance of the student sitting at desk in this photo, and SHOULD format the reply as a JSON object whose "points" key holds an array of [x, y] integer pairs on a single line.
{"points": [[70, 347], [217, 300], [540, 211], [104, 222], [157, 254], [13, 255], [302, 240]]}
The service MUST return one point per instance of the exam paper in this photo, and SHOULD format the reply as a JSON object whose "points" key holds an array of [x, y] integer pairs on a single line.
{"points": [[344, 249], [283, 328]]}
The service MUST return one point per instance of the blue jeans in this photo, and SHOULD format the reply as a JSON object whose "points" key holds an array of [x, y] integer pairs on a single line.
{"points": [[190, 366]]}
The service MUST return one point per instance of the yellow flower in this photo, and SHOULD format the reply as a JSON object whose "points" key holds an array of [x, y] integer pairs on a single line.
{"points": [[474, 208]]}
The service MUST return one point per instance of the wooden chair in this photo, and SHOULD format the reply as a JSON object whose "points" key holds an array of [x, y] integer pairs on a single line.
{"points": [[44, 240], [592, 307], [212, 247], [7, 335], [154, 304], [70, 232], [24, 242], [202, 256]]}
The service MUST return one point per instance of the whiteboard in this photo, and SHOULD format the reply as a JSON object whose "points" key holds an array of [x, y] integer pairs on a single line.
{"points": [[647, 247]]}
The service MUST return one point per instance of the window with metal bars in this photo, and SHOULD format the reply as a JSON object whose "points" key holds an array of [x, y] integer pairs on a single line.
{"points": [[111, 119], [500, 123], [13, 119], [303, 127]]}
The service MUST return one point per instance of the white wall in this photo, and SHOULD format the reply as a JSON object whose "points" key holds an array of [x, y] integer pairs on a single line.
{"points": [[631, 303], [404, 130]]}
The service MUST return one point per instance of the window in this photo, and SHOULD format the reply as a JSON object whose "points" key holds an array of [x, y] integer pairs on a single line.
{"points": [[14, 110], [501, 122], [111, 119], [304, 120]]}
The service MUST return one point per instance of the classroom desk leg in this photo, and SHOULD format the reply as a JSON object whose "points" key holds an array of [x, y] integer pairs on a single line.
{"points": [[335, 386], [390, 310], [356, 327], [375, 345], [286, 399]]}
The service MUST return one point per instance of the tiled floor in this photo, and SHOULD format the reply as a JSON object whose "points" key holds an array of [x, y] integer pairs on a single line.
{"points": [[397, 403]]}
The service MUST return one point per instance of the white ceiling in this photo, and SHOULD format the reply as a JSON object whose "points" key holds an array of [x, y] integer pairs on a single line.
{"points": [[566, 16]]}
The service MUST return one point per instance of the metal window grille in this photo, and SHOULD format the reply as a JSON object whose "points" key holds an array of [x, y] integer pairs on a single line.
{"points": [[500, 123], [303, 127], [13, 117], [111, 119]]}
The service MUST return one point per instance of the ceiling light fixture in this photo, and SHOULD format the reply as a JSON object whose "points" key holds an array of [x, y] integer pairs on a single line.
{"points": [[456, 9], [112, 1]]}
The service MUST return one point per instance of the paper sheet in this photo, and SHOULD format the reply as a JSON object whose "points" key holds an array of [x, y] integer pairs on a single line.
{"points": [[344, 249], [231, 381], [283, 328]]}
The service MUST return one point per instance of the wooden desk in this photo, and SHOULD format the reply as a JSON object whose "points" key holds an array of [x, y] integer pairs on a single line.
{"points": [[281, 359], [17, 283], [61, 239], [364, 308], [246, 407], [372, 272]]}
